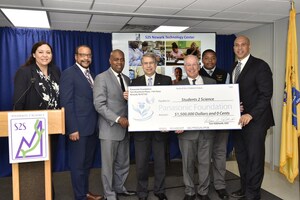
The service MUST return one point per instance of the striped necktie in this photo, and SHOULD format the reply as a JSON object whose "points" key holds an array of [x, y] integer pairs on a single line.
{"points": [[150, 81], [89, 77], [237, 71]]}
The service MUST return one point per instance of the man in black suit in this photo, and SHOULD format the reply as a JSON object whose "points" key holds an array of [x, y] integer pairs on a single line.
{"points": [[76, 95], [209, 69], [144, 141], [255, 81]]}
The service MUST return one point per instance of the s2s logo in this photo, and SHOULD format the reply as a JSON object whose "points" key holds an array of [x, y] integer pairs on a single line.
{"points": [[20, 126]]}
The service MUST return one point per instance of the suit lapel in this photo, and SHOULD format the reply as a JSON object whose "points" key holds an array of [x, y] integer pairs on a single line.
{"points": [[81, 75], [114, 80]]}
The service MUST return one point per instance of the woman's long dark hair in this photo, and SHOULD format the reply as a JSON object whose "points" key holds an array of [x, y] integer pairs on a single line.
{"points": [[31, 59]]}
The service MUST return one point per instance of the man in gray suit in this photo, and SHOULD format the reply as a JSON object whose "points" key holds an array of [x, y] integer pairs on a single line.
{"points": [[110, 103], [195, 146]]}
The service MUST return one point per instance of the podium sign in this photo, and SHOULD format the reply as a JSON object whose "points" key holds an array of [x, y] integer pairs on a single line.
{"points": [[28, 136]]}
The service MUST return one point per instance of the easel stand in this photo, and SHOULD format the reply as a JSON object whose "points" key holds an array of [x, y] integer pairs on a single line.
{"points": [[56, 125]]}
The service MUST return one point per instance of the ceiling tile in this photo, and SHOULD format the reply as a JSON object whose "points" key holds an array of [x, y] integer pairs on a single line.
{"points": [[36, 3], [66, 17], [213, 24], [197, 13], [156, 10], [105, 27], [148, 21], [114, 7], [168, 3], [233, 15], [176, 22], [69, 4], [216, 5], [100, 19]]}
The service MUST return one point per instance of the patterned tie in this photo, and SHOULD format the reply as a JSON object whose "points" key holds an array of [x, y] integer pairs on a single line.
{"points": [[210, 72], [194, 81], [121, 82], [237, 71], [89, 77], [150, 81]]}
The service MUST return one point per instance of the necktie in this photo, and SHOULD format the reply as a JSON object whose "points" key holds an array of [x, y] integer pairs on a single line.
{"points": [[210, 72], [237, 71], [194, 81], [121, 82], [150, 82], [89, 77]]}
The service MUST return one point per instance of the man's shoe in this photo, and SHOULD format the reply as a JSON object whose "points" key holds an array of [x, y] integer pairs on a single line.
{"points": [[203, 197], [91, 196], [143, 198], [127, 193], [223, 194], [238, 194], [189, 197], [161, 196]]}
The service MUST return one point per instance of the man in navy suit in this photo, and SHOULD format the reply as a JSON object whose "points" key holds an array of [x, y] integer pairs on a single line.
{"points": [[111, 105], [255, 81], [76, 89], [145, 141]]}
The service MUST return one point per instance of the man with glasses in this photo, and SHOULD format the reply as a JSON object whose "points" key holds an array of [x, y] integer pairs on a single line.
{"points": [[145, 141], [76, 96]]}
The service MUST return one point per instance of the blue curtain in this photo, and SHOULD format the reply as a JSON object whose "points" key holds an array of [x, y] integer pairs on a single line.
{"points": [[15, 48]]}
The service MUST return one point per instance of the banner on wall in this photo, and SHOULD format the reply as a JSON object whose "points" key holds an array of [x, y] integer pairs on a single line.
{"points": [[169, 48]]}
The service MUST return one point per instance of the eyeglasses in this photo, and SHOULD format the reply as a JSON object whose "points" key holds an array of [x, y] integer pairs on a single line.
{"points": [[84, 55]]}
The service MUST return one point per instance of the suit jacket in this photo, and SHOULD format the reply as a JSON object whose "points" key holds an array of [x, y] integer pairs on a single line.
{"points": [[27, 78], [159, 80], [219, 75], [110, 104], [192, 135], [76, 97], [256, 90]]}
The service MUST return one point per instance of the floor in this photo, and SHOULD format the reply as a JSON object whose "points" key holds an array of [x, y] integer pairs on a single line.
{"points": [[274, 182]]}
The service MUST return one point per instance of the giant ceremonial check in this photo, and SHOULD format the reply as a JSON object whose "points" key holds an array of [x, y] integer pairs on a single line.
{"points": [[183, 107]]}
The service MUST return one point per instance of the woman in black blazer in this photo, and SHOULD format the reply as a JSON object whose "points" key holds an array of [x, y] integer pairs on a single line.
{"points": [[36, 87]]}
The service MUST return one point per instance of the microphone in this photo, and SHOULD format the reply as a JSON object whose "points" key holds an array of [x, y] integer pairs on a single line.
{"points": [[32, 81]]}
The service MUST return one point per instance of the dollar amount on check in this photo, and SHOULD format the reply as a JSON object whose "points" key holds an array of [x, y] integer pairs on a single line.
{"points": [[183, 107]]}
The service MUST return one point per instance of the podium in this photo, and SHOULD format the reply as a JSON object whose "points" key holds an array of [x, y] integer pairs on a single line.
{"points": [[56, 125]]}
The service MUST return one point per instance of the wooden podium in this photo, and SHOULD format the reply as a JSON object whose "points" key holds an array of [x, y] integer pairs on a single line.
{"points": [[56, 125]]}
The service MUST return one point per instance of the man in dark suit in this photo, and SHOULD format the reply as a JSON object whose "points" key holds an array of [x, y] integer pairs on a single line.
{"points": [[209, 69], [144, 141], [111, 105], [255, 81], [76, 95], [195, 146]]}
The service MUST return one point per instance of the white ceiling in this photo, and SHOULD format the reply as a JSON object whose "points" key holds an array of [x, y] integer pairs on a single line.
{"points": [[220, 16]]}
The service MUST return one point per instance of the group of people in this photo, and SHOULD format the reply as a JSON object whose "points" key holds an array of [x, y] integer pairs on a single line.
{"points": [[96, 107]]}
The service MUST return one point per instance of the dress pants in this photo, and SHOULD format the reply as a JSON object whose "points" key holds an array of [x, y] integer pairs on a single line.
{"points": [[144, 142], [81, 157], [219, 158], [198, 153], [250, 155], [115, 166]]}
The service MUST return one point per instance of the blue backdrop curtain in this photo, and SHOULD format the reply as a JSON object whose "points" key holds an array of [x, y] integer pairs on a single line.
{"points": [[16, 46]]}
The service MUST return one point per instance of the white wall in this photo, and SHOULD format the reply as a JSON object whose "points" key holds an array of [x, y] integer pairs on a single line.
{"points": [[268, 42]]}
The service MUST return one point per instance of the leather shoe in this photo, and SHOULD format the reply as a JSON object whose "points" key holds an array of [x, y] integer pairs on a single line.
{"points": [[127, 193], [203, 197], [91, 196], [161, 196], [189, 197], [223, 194], [238, 194]]}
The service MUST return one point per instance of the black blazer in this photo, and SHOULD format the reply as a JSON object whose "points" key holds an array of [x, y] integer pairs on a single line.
{"points": [[256, 90], [27, 78]]}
